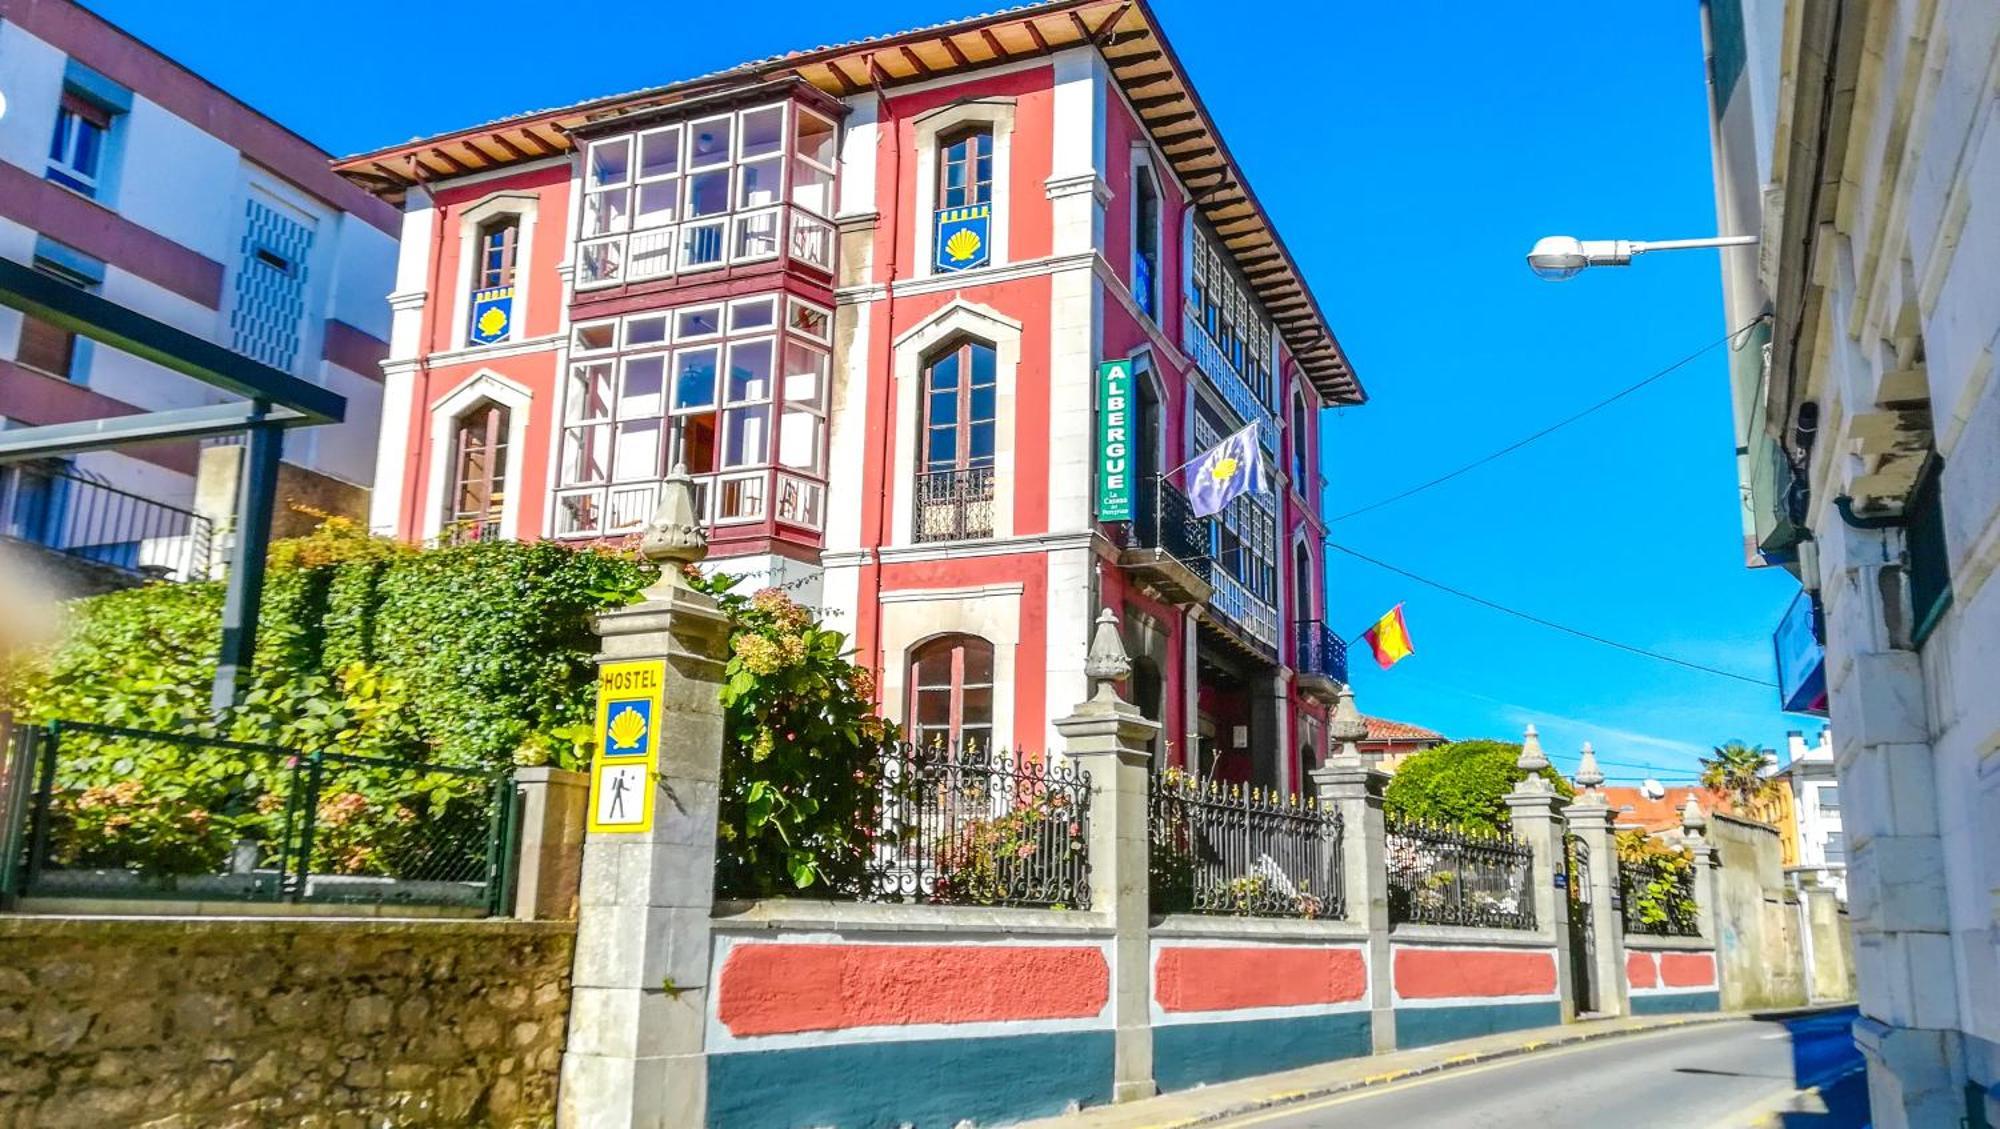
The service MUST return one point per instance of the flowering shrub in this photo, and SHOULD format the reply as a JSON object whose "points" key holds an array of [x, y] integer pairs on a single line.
{"points": [[801, 763], [1658, 884], [1011, 856]]}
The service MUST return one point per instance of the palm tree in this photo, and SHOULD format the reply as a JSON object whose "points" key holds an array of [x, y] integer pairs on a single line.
{"points": [[1737, 771]]}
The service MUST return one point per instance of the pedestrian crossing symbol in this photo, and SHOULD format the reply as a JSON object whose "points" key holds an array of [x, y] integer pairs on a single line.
{"points": [[624, 777]]}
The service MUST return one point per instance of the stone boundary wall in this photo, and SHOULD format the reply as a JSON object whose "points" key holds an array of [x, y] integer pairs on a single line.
{"points": [[181, 1023], [1671, 974], [1458, 983], [1233, 997], [845, 1014]]}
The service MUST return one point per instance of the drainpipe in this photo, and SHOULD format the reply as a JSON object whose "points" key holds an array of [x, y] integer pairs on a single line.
{"points": [[418, 457], [872, 646]]}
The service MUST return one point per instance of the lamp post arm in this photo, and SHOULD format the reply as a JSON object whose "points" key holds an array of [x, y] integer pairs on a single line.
{"points": [[1686, 244]]}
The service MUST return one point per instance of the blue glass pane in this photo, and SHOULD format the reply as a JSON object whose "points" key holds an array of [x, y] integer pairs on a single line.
{"points": [[944, 410], [694, 382], [982, 365], [944, 373], [982, 402], [943, 447], [981, 447], [60, 142], [88, 141]]}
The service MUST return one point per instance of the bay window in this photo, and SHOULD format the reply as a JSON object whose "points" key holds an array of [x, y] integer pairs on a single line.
{"points": [[737, 187], [735, 391]]}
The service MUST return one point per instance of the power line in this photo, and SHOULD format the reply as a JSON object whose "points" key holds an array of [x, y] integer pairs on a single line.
{"points": [[1556, 426], [1551, 624]]}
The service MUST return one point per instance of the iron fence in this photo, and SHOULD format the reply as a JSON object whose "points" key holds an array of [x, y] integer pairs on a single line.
{"points": [[1458, 876], [1321, 651], [1657, 896], [969, 825], [953, 505], [120, 530], [129, 813], [1227, 849]]}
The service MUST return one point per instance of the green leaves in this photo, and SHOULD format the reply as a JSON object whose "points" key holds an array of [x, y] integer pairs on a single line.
{"points": [[1461, 784]]}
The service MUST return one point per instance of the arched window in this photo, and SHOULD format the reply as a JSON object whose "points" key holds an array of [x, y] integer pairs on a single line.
{"points": [[1146, 242], [955, 467], [951, 692], [965, 167], [478, 490], [1301, 446], [1302, 584]]}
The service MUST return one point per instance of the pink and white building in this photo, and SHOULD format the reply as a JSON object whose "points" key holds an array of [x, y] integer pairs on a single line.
{"points": [[863, 294], [126, 174]]}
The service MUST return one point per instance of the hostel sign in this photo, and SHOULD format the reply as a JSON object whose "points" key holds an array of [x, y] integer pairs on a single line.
{"points": [[1114, 441], [629, 709]]}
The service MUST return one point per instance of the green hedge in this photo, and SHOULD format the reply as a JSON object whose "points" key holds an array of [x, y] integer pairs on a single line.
{"points": [[1462, 784], [474, 655]]}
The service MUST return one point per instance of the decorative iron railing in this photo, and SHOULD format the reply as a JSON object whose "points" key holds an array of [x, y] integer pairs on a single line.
{"points": [[128, 813], [953, 505], [469, 531], [965, 825], [1458, 876], [1164, 520], [1321, 652], [1657, 896], [115, 528], [1226, 849]]}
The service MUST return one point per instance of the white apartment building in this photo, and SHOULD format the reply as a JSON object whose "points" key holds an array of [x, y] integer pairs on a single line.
{"points": [[1860, 139], [124, 173]]}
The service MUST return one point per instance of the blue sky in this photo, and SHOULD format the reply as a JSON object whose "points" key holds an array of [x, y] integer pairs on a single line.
{"points": [[1410, 158]]}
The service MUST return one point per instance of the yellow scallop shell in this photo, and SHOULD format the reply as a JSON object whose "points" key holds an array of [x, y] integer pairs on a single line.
{"points": [[628, 728], [962, 245]]}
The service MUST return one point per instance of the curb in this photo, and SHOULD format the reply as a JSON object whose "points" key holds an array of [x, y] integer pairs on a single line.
{"points": [[1473, 1058]]}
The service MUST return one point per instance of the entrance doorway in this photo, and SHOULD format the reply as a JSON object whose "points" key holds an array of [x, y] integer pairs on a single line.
{"points": [[1582, 935]]}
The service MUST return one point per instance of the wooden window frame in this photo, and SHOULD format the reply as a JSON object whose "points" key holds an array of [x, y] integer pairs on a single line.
{"points": [[485, 276], [497, 417], [956, 687], [977, 191], [963, 422]]}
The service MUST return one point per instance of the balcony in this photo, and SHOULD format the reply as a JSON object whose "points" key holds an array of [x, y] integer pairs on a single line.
{"points": [[1166, 546], [1248, 615], [701, 245], [119, 538], [1320, 660], [954, 505], [1208, 357]]}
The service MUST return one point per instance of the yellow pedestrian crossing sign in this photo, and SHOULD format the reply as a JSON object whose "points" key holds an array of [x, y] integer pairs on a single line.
{"points": [[623, 778]]}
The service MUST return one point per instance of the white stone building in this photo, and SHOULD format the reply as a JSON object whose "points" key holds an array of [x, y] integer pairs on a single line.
{"points": [[1809, 773], [124, 173], [1861, 140]]}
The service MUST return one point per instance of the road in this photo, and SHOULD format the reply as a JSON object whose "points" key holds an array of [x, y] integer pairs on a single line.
{"points": [[1704, 1077]]}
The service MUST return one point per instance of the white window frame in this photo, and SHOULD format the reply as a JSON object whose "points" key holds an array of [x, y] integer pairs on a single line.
{"points": [[1142, 165], [519, 401], [525, 207], [998, 115]]}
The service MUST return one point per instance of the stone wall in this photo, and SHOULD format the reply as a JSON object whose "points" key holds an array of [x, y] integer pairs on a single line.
{"points": [[176, 1023], [1757, 920]]}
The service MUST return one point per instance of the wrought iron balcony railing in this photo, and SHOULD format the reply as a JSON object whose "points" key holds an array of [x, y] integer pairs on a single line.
{"points": [[954, 505], [1162, 519], [1320, 651], [74, 516], [1235, 603]]}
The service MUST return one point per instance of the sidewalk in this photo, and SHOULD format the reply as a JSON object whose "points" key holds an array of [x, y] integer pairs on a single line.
{"points": [[1228, 1099]]}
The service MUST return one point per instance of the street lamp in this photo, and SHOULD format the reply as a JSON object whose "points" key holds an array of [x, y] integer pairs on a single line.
{"points": [[1560, 257]]}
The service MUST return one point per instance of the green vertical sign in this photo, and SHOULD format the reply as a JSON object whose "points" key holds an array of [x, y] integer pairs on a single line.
{"points": [[1114, 441]]}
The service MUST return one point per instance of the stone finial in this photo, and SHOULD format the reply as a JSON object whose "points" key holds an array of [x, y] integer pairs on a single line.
{"points": [[1532, 759], [1693, 822], [674, 536], [1107, 662], [1348, 726], [1588, 775]]}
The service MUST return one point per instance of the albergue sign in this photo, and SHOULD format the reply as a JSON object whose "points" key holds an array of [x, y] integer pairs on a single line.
{"points": [[1114, 441]]}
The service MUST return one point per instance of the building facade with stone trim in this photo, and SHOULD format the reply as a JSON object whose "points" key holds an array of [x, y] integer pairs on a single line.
{"points": [[124, 173], [863, 293], [1857, 138]]}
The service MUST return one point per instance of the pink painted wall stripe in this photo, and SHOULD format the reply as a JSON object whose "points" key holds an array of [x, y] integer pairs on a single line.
{"points": [[1188, 978], [1458, 973], [1641, 971], [1687, 970], [784, 988]]}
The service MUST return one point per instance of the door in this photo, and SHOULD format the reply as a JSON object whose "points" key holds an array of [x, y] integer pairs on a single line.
{"points": [[1582, 937]]}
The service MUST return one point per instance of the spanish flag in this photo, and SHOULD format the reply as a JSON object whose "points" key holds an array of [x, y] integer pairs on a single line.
{"points": [[1390, 638]]}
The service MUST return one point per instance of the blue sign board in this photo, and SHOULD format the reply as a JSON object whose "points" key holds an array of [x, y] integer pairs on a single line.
{"points": [[492, 315], [964, 236], [1801, 658], [628, 727]]}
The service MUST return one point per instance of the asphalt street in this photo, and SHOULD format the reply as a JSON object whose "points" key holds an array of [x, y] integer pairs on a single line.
{"points": [[1704, 1077]]}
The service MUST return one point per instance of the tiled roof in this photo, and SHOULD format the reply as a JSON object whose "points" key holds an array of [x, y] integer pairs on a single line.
{"points": [[1632, 808], [1382, 729]]}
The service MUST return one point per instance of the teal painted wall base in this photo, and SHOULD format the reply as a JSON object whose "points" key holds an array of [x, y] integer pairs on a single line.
{"points": [[1422, 1026], [1672, 1003], [929, 1083], [1189, 1054]]}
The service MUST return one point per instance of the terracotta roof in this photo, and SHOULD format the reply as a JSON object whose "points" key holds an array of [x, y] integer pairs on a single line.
{"points": [[1631, 808], [1382, 729], [1137, 54]]}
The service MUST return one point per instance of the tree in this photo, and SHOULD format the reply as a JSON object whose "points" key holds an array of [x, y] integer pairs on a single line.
{"points": [[1737, 771], [1462, 784]]}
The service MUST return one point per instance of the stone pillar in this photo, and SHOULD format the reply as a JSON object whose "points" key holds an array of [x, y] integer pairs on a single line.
{"points": [[1108, 738], [550, 810], [1591, 820], [1352, 786], [639, 999], [1536, 811], [1707, 895]]}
